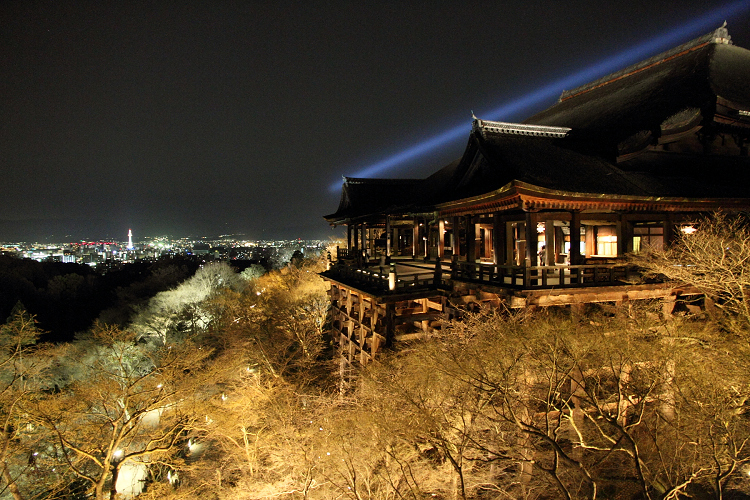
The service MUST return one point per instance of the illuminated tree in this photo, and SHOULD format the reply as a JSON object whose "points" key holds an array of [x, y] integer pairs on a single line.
{"points": [[20, 365], [261, 426], [551, 407], [714, 256], [253, 272], [125, 407], [181, 310]]}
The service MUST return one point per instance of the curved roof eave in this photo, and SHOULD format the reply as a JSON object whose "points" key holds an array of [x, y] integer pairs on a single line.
{"points": [[521, 195]]}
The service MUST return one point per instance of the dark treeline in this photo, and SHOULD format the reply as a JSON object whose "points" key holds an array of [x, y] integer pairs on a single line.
{"points": [[67, 298]]}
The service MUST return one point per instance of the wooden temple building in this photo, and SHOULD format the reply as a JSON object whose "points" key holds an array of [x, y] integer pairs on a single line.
{"points": [[543, 212]]}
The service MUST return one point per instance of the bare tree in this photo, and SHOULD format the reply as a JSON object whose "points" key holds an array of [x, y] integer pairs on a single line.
{"points": [[183, 309], [714, 256], [127, 405], [21, 363], [606, 407]]}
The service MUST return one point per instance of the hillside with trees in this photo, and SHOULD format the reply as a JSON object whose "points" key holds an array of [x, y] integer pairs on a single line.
{"points": [[67, 298], [223, 387]]}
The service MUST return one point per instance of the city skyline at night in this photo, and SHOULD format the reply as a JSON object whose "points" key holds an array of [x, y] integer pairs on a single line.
{"points": [[239, 118]]}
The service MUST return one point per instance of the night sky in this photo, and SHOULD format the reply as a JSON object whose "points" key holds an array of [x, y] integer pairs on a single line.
{"points": [[213, 118]]}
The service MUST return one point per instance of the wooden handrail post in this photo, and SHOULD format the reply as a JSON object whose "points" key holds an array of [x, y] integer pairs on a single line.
{"points": [[438, 278]]}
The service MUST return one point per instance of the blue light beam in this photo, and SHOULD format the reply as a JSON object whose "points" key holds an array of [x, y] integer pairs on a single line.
{"points": [[609, 65]]}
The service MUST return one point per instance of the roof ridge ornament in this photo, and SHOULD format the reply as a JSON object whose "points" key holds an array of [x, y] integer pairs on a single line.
{"points": [[507, 128], [721, 35]]}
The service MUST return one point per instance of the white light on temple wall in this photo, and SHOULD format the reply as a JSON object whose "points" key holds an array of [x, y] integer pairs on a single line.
{"points": [[540, 227], [688, 229]]}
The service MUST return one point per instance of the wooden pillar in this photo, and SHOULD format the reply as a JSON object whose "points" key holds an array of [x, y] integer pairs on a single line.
{"points": [[355, 242], [559, 243], [668, 230], [441, 238], [627, 235], [388, 242], [549, 243], [349, 238], [498, 239], [362, 333], [477, 232], [457, 237], [489, 242], [415, 238], [575, 237], [532, 237], [510, 243], [363, 250], [471, 240], [591, 236], [620, 233], [390, 323]]}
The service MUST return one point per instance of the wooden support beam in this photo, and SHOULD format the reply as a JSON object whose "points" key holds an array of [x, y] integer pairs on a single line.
{"points": [[549, 243], [390, 323], [498, 239], [510, 243], [415, 239], [668, 230], [620, 234], [388, 241], [591, 235], [471, 239], [456, 222], [575, 238], [363, 249], [441, 238], [532, 238]]}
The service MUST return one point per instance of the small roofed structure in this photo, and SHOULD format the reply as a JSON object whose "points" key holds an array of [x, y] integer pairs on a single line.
{"points": [[543, 212]]}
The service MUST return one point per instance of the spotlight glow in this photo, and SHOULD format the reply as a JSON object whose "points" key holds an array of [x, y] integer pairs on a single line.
{"points": [[511, 109]]}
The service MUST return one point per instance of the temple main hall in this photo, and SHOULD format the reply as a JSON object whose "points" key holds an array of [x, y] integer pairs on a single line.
{"points": [[545, 212]]}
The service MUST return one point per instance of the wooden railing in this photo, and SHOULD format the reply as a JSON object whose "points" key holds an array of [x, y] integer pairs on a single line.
{"points": [[543, 276], [344, 253], [384, 279]]}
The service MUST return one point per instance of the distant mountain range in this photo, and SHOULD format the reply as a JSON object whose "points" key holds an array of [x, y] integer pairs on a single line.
{"points": [[59, 230]]}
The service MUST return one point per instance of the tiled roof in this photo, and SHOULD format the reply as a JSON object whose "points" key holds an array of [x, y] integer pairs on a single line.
{"points": [[572, 148]]}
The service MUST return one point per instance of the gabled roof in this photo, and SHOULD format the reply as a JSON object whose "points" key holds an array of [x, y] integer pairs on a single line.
{"points": [[642, 97], [594, 147], [361, 197]]}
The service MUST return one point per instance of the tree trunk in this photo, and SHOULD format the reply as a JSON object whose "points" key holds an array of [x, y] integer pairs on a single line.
{"points": [[113, 486], [12, 486]]}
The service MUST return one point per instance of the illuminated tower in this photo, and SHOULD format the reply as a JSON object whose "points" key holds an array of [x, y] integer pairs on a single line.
{"points": [[130, 239]]}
